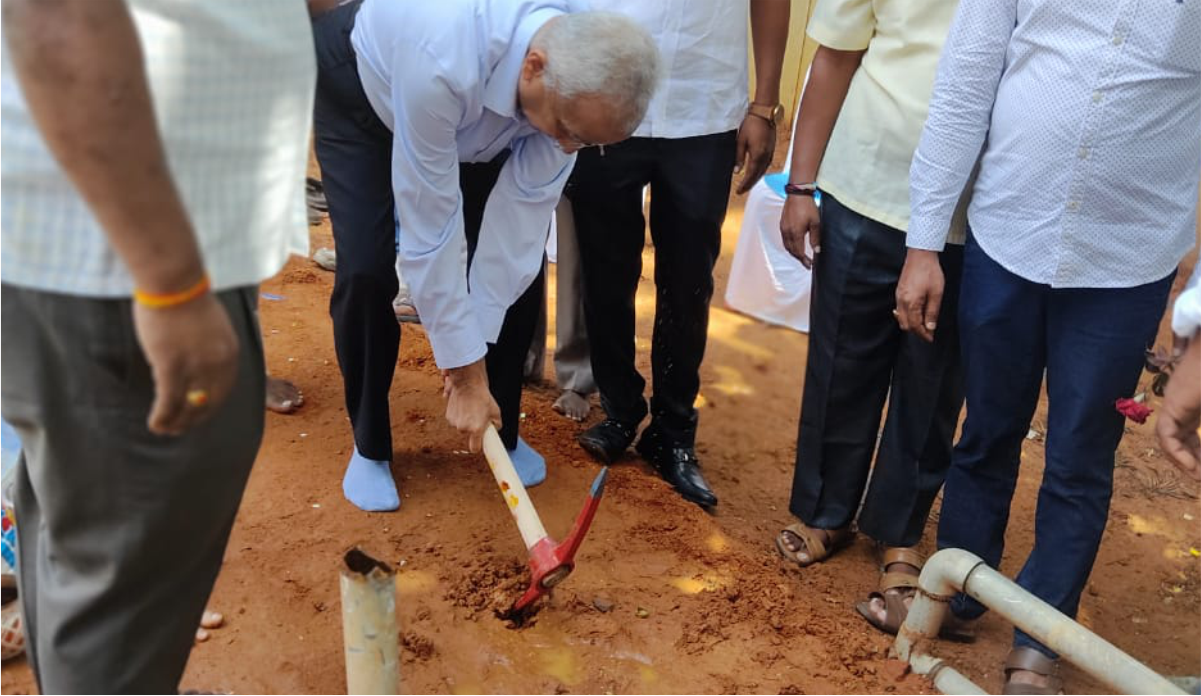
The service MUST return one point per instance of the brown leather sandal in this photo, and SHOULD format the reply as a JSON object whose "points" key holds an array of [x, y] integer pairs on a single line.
{"points": [[1031, 660], [816, 547], [897, 586]]}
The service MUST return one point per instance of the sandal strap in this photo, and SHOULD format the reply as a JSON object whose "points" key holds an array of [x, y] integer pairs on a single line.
{"points": [[813, 542], [1031, 660], [903, 554], [895, 580], [895, 612]]}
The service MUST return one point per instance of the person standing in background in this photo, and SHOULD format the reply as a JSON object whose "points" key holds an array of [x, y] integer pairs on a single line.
{"points": [[872, 58], [1089, 118], [573, 364], [698, 131], [153, 176]]}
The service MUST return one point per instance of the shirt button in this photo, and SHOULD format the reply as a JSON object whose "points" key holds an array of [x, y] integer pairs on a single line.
{"points": [[1073, 205], [1083, 153], [1098, 96], [1117, 39]]}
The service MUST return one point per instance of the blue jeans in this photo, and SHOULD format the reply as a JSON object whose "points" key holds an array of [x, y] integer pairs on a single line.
{"points": [[1090, 342]]}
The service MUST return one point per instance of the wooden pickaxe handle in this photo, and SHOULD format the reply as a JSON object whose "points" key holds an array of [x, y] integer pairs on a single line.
{"points": [[512, 489]]}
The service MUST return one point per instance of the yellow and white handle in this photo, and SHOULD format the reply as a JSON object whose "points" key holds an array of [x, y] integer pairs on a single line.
{"points": [[512, 489]]}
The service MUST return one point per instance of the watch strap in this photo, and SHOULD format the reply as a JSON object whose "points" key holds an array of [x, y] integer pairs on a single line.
{"points": [[767, 112]]}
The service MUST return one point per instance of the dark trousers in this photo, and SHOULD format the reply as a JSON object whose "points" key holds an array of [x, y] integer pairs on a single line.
{"points": [[505, 361], [690, 185], [1090, 342], [858, 359], [354, 149], [121, 532]]}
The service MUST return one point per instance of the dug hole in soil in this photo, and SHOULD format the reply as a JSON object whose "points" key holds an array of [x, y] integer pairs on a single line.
{"points": [[665, 597]]}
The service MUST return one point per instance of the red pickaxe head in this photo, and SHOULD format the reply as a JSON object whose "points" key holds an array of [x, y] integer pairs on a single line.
{"points": [[551, 563]]}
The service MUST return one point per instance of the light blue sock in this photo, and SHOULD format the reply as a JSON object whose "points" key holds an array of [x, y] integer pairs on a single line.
{"points": [[531, 467], [369, 485]]}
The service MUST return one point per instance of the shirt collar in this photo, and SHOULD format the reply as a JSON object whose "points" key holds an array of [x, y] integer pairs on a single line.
{"points": [[500, 90]]}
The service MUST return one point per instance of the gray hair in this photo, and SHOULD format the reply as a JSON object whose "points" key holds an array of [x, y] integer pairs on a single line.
{"points": [[601, 54]]}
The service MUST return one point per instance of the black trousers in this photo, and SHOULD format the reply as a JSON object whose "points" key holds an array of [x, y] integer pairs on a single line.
{"points": [[858, 358], [354, 149], [690, 186]]}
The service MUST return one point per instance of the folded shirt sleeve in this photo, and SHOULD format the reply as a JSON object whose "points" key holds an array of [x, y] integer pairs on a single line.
{"points": [[844, 25], [425, 180]]}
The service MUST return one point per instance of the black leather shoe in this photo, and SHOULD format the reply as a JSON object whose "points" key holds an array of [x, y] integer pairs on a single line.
{"points": [[607, 441], [679, 467]]}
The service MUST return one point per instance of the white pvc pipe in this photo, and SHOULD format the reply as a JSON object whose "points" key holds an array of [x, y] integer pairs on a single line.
{"points": [[952, 570], [371, 639], [946, 679]]}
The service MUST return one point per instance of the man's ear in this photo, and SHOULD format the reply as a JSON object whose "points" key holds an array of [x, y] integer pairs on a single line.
{"points": [[534, 64]]}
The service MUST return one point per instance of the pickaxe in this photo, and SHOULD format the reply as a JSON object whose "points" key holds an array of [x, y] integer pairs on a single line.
{"points": [[550, 562]]}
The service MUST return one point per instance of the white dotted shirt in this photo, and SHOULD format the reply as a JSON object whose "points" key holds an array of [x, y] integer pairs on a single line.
{"points": [[232, 86], [1089, 116]]}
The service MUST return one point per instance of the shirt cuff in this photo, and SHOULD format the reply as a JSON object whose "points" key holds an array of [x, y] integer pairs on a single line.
{"points": [[455, 346], [490, 319], [927, 234]]}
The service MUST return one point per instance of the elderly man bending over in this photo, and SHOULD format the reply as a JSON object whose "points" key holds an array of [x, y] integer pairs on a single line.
{"points": [[461, 119]]}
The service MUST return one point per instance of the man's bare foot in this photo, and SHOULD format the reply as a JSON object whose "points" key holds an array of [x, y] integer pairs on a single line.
{"points": [[210, 620], [572, 405], [283, 396]]}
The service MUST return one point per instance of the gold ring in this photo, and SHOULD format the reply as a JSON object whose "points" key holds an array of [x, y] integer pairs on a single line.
{"points": [[197, 397]]}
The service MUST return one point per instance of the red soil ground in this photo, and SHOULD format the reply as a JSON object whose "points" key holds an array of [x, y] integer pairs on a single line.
{"points": [[701, 602]]}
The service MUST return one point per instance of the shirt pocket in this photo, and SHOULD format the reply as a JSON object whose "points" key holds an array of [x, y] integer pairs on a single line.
{"points": [[1174, 33]]}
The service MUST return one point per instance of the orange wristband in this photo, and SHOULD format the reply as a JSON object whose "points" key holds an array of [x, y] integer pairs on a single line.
{"points": [[172, 299]]}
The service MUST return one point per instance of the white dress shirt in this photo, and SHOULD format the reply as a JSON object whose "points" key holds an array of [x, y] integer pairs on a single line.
{"points": [[232, 86], [443, 76], [703, 48], [1089, 114]]}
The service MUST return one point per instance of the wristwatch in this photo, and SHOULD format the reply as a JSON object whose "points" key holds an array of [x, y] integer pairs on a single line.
{"points": [[771, 114]]}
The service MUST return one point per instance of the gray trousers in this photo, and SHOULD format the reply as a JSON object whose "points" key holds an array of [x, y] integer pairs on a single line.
{"points": [[121, 532], [573, 359]]}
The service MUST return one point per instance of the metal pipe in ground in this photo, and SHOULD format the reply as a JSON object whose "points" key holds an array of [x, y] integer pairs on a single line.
{"points": [[370, 634], [953, 570]]}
